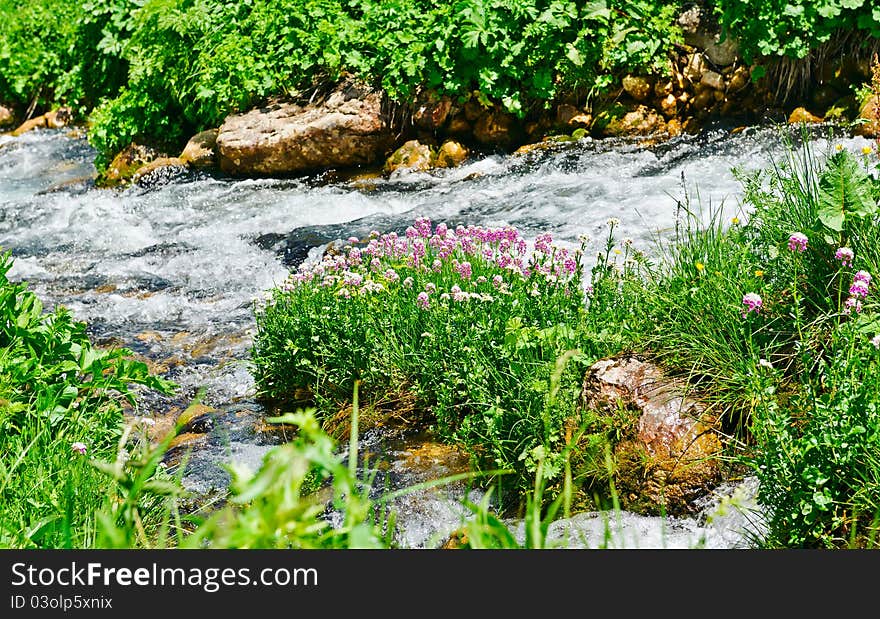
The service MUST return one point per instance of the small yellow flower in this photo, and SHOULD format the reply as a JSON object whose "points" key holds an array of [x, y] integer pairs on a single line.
{"points": [[617, 251], [759, 273], [838, 147], [735, 221], [718, 273], [867, 150], [700, 266]]}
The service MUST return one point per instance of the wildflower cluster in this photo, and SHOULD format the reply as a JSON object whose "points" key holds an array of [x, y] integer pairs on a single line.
{"points": [[858, 290], [459, 257]]}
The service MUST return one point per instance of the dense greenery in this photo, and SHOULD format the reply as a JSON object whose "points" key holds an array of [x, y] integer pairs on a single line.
{"points": [[60, 406], [794, 27]]}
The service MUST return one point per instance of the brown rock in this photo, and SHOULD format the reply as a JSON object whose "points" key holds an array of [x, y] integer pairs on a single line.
{"points": [[29, 125], [59, 118], [802, 115], [7, 117], [869, 117], [663, 88], [669, 106], [642, 121], [581, 121], [459, 125], [693, 71], [431, 111], [671, 456], [472, 110], [564, 113], [703, 101], [201, 150], [349, 128], [413, 156], [674, 128], [712, 80], [494, 127], [451, 154], [637, 87]]}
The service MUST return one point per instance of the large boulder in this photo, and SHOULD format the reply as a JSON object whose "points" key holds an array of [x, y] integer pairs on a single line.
{"points": [[495, 127], [701, 30], [349, 128], [128, 161], [451, 154], [671, 455]]}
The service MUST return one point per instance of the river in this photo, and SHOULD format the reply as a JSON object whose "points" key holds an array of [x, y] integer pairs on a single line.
{"points": [[171, 270]]}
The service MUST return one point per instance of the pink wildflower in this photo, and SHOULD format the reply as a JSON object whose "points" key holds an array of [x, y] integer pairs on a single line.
{"points": [[797, 242]]}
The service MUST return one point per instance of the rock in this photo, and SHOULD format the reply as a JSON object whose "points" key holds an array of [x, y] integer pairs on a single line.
{"points": [[670, 456], [472, 110], [494, 128], [642, 121], [459, 125], [712, 80], [703, 101], [451, 154], [703, 31], [201, 150], [740, 79], [869, 118], [126, 163], [802, 115], [674, 127], [157, 164], [637, 87], [669, 106], [7, 117], [56, 119], [413, 156], [431, 111], [29, 125], [349, 128], [564, 113], [693, 70], [663, 88], [581, 121]]}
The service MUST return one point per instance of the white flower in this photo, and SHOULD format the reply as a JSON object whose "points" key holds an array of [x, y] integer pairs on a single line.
{"points": [[876, 341], [765, 364]]}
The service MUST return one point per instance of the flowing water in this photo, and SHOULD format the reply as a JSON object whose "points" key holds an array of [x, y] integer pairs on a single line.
{"points": [[171, 270]]}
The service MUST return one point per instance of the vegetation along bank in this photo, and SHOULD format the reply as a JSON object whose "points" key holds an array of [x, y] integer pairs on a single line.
{"points": [[301, 85]]}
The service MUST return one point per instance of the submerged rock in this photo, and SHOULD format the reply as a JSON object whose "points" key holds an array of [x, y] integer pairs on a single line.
{"points": [[347, 129], [671, 458]]}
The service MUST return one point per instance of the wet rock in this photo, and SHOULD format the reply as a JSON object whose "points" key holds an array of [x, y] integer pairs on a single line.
{"points": [[146, 172], [664, 88], [347, 129], [451, 154], [7, 116], [52, 120], [494, 128], [639, 122], [564, 113], [672, 456], [126, 163], [196, 419], [431, 111], [869, 118], [59, 118], [413, 156], [637, 87], [703, 100], [802, 115], [201, 150]]}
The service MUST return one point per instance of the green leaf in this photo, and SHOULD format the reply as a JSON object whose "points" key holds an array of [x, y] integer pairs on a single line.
{"points": [[845, 190]]}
